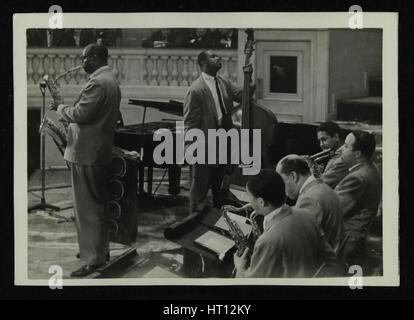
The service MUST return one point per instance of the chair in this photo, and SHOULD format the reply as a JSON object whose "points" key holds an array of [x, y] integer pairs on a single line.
{"points": [[340, 252], [327, 269], [373, 246]]}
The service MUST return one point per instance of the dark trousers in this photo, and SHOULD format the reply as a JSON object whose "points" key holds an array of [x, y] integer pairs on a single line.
{"points": [[354, 250], [90, 193], [204, 177]]}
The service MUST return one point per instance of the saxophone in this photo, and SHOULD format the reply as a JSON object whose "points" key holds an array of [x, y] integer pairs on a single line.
{"points": [[54, 86], [316, 169], [54, 89], [236, 234], [256, 231], [315, 160]]}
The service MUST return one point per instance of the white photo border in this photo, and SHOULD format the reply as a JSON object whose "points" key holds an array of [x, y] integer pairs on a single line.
{"points": [[388, 22]]}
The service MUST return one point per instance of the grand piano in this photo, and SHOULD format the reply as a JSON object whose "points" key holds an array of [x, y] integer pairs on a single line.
{"points": [[139, 137]]}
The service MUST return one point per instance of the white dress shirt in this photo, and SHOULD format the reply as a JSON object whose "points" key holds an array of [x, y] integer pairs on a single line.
{"points": [[211, 83]]}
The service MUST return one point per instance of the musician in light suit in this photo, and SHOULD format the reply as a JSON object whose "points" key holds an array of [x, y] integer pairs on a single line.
{"points": [[207, 105], [291, 244], [93, 120], [313, 195], [360, 191], [336, 169]]}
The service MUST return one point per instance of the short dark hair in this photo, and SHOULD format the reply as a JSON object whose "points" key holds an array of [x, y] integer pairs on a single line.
{"points": [[330, 128], [100, 51], [269, 185], [364, 142], [294, 163], [202, 57]]}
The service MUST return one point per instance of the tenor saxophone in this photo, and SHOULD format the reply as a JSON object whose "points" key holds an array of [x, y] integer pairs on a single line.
{"points": [[236, 234], [54, 88], [53, 84]]}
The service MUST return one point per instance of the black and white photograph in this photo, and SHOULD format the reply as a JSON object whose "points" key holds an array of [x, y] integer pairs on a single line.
{"points": [[194, 149]]}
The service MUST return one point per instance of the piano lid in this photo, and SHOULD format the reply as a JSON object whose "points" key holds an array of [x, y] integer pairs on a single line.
{"points": [[172, 106]]}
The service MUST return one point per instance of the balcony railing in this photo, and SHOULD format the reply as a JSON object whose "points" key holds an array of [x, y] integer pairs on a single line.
{"points": [[143, 74], [149, 70]]}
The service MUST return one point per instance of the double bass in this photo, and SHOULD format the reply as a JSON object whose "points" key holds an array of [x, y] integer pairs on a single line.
{"points": [[251, 115]]}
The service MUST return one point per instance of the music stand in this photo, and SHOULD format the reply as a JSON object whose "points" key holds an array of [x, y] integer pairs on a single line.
{"points": [[43, 205]]}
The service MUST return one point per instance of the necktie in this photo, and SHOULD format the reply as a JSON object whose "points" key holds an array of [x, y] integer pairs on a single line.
{"points": [[222, 108]]}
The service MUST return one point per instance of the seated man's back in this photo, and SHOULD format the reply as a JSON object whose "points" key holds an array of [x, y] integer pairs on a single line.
{"points": [[290, 246], [323, 205], [313, 195]]}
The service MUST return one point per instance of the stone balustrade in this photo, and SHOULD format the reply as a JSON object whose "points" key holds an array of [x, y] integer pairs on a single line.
{"points": [[142, 73], [159, 74]]}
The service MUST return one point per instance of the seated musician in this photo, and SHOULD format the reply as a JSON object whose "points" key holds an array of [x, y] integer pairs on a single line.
{"points": [[329, 138], [359, 192], [291, 244], [313, 195]]}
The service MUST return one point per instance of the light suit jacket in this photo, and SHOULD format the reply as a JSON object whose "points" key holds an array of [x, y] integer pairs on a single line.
{"points": [[323, 206], [291, 246], [359, 194], [335, 171], [200, 109], [93, 120]]}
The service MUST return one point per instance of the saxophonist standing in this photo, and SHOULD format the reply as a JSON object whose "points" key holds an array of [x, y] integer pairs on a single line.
{"points": [[92, 122]]}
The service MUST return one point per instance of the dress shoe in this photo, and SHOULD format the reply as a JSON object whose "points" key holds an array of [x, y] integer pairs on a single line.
{"points": [[107, 256], [85, 270]]}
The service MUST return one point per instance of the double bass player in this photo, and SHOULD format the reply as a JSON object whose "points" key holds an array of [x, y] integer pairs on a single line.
{"points": [[208, 104]]}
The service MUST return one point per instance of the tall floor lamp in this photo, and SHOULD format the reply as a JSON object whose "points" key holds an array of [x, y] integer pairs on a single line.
{"points": [[43, 205]]}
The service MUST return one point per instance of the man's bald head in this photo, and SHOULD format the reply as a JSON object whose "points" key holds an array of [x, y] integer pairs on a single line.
{"points": [[294, 170], [93, 57], [295, 163], [98, 50]]}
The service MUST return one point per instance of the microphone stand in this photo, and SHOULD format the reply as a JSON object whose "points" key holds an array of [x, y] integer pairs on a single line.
{"points": [[43, 205]]}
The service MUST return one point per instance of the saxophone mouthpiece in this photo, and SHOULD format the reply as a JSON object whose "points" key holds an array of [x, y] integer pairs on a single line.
{"points": [[67, 72]]}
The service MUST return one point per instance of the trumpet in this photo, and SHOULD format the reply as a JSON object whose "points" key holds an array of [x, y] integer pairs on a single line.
{"points": [[321, 156], [315, 160]]}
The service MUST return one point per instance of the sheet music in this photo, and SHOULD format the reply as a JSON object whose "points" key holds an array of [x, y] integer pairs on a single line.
{"points": [[243, 222], [215, 242]]}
